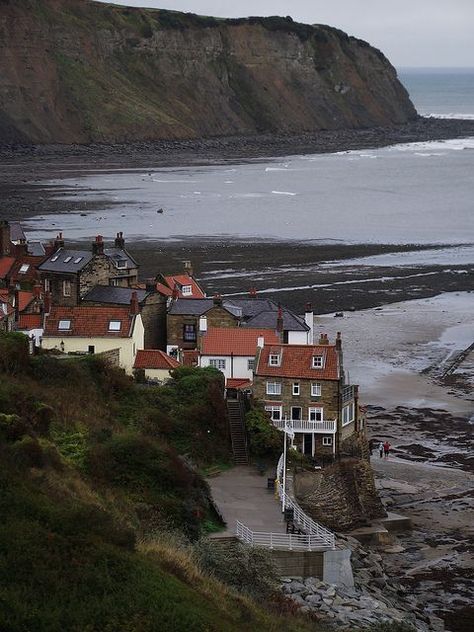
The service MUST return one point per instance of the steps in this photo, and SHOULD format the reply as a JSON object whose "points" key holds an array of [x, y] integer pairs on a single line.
{"points": [[237, 432]]}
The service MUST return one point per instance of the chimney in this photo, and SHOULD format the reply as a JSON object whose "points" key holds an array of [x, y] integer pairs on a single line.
{"points": [[260, 342], [47, 303], [21, 248], [217, 298], [58, 242], [98, 245], [120, 241], [203, 325], [5, 239], [323, 339], [134, 307], [338, 341], [309, 320], [279, 326], [188, 268], [150, 286], [253, 292], [37, 290]]}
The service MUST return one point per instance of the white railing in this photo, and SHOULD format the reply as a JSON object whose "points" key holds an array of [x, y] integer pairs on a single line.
{"points": [[285, 541], [304, 522], [303, 425]]}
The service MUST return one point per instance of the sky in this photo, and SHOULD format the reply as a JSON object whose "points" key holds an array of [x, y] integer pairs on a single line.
{"points": [[409, 32]]}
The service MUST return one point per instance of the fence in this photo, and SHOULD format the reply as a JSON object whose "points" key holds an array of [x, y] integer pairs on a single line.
{"points": [[303, 425], [286, 542]]}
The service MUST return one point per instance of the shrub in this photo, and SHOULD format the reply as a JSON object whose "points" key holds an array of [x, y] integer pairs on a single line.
{"points": [[265, 440], [247, 569], [14, 355]]}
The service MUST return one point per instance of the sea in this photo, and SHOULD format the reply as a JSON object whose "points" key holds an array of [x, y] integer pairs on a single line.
{"points": [[417, 193]]}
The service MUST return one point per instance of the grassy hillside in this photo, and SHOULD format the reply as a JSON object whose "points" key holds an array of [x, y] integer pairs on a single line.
{"points": [[94, 476]]}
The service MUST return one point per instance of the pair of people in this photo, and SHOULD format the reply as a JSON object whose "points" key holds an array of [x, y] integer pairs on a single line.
{"points": [[384, 449]]}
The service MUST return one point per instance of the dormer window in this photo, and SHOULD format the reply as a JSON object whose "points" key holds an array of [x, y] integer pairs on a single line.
{"points": [[274, 359], [115, 325], [187, 290], [64, 325], [121, 263], [318, 362]]}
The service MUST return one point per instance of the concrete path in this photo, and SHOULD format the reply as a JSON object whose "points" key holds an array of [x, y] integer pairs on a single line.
{"points": [[241, 494]]}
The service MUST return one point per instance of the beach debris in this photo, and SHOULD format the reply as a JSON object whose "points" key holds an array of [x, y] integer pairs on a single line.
{"points": [[160, 211]]}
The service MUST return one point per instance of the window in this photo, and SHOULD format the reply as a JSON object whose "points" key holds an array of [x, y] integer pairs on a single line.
{"points": [[315, 389], [47, 285], [121, 263], [114, 282], [274, 359], [327, 440], [55, 258], [186, 290], [295, 413], [189, 333], [64, 325], [273, 388], [91, 349], [24, 268], [115, 325], [315, 414], [348, 414], [250, 364], [66, 288], [275, 412], [317, 362], [67, 259], [296, 388], [218, 363], [78, 259]]}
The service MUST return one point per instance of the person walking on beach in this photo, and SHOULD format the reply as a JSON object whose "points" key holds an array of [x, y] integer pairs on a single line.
{"points": [[381, 449], [386, 449]]}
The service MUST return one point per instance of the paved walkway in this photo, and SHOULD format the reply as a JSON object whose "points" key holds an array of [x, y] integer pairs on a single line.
{"points": [[241, 494]]}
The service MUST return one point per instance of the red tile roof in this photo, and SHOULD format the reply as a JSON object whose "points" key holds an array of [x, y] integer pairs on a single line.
{"points": [[234, 382], [154, 359], [24, 299], [240, 341], [89, 322], [6, 264], [30, 321], [297, 362], [31, 273], [185, 279], [164, 289]]}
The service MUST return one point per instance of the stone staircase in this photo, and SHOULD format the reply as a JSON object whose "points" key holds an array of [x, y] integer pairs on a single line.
{"points": [[237, 431]]}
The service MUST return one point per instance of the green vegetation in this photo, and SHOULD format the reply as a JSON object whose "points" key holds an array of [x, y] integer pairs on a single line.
{"points": [[96, 472], [265, 440]]}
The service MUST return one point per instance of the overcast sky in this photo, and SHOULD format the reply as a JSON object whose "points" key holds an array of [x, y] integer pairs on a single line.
{"points": [[410, 32]]}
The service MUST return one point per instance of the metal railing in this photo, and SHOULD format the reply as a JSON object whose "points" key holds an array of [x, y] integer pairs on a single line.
{"points": [[304, 425], [287, 542], [326, 538]]}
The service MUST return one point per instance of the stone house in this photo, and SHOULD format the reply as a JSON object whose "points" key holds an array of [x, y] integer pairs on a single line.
{"points": [[154, 365], [305, 385], [232, 350], [187, 317], [152, 308], [182, 285], [69, 274], [91, 329]]}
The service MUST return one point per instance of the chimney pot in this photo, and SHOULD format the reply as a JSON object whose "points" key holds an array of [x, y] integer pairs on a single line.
{"points": [[253, 292], [188, 268], [150, 285], [217, 299], [98, 245], [119, 240], [280, 320], [308, 308]]}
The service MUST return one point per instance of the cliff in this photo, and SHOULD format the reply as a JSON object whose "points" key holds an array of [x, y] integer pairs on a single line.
{"points": [[76, 71]]}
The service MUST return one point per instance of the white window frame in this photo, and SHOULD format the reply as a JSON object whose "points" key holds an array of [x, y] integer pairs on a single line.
{"points": [[295, 388], [64, 325], [273, 388], [348, 414], [66, 288], [274, 359], [24, 268], [47, 285], [250, 364], [315, 389], [300, 408], [318, 362], [114, 282], [187, 290], [121, 263], [218, 363], [276, 412], [115, 325], [315, 411], [327, 441]]}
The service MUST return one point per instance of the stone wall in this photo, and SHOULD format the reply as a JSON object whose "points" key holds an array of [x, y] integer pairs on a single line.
{"points": [[112, 356], [153, 314], [96, 272], [342, 496], [216, 317]]}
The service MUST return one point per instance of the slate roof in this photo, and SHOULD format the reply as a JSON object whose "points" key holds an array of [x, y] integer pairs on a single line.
{"points": [[57, 261], [154, 359], [191, 306], [268, 320], [36, 249], [113, 295], [119, 254], [16, 232], [297, 362], [239, 341], [89, 322]]}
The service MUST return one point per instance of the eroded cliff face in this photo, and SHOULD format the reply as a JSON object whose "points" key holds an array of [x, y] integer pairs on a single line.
{"points": [[74, 71]]}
